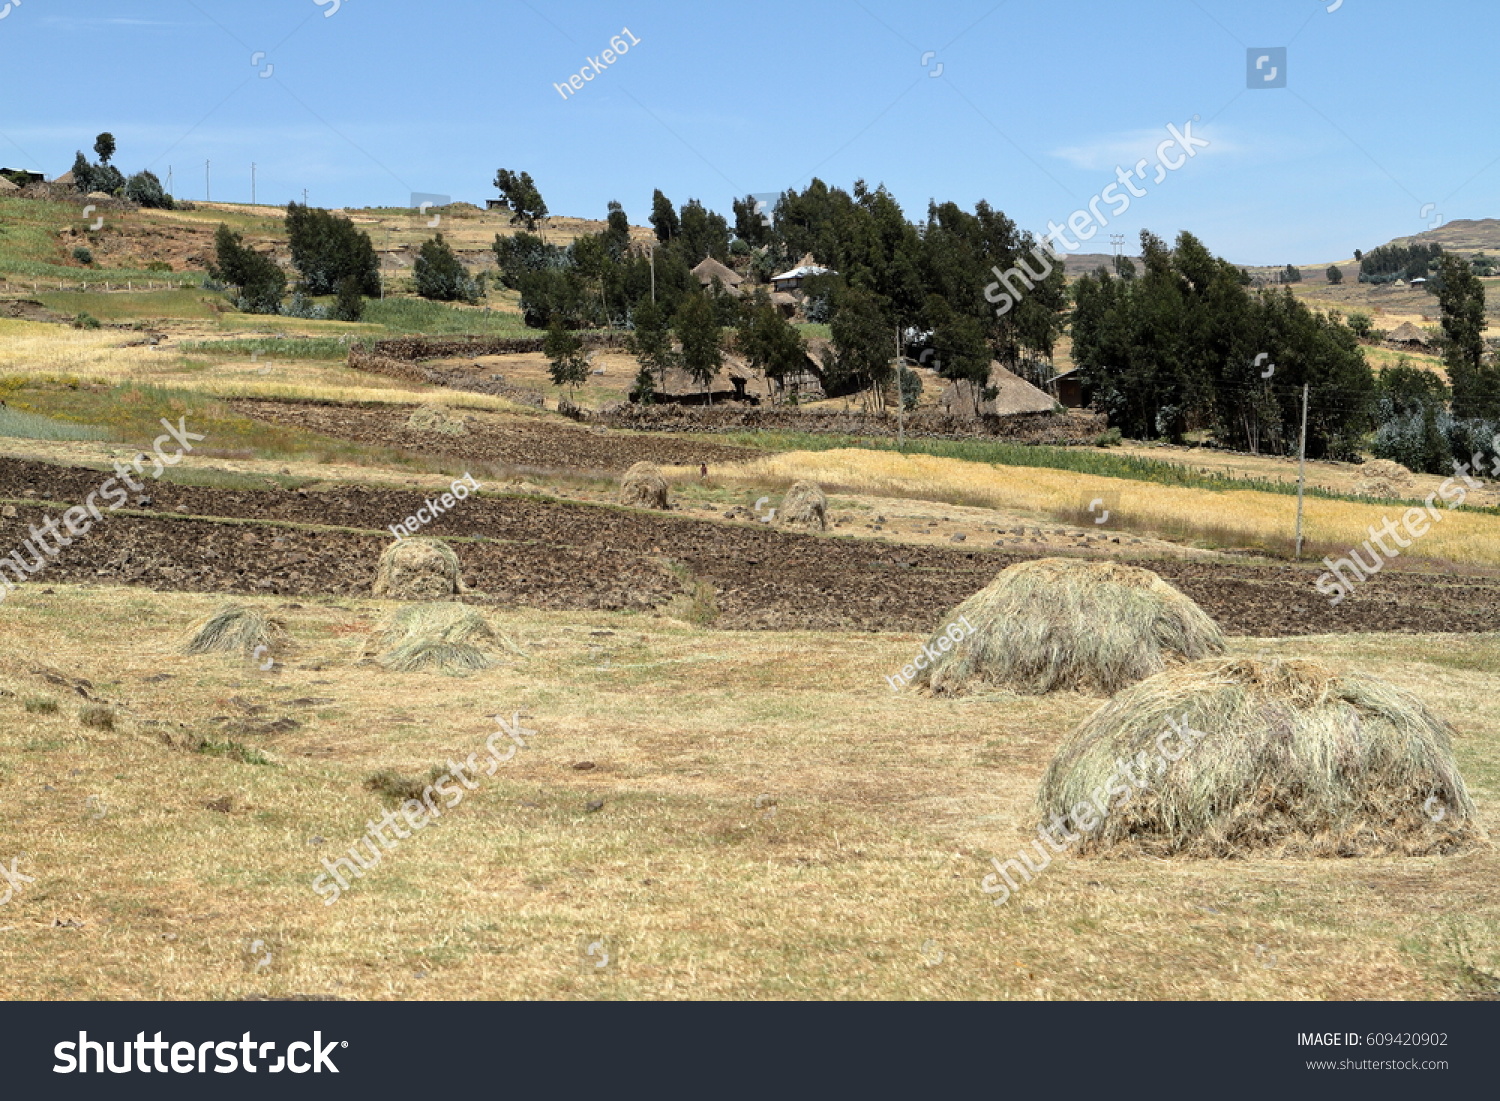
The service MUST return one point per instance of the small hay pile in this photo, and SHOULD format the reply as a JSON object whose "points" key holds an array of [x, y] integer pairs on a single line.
{"points": [[418, 569], [1066, 623], [643, 485], [804, 506], [438, 419], [1383, 478], [1233, 757], [235, 628], [443, 637]]}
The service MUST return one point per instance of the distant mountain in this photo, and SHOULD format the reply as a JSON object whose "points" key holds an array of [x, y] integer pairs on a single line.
{"points": [[1464, 235]]}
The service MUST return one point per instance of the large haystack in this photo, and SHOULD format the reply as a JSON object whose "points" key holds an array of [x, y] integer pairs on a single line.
{"points": [[437, 419], [1383, 478], [418, 569], [1233, 756], [643, 485], [235, 628], [1066, 623], [444, 637], [804, 506]]}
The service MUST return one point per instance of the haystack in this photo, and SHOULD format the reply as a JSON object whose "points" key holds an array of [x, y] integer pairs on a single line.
{"points": [[415, 569], [435, 418], [643, 485], [444, 637], [235, 628], [1233, 756], [1383, 478], [804, 506], [1066, 623]]}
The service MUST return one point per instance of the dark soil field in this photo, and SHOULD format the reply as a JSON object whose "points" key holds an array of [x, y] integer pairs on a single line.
{"points": [[523, 442], [546, 553]]}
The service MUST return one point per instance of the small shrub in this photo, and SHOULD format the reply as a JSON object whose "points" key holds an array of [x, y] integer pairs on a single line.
{"points": [[85, 321], [392, 785], [158, 265], [41, 705], [83, 255], [97, 716], [233, 751], [1109, 438]]}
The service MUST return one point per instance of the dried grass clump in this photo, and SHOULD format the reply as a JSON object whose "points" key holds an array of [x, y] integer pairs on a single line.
{"points": [[443, 637], [436, 418], [1063, 623], [644, 486], [804, 506], [235, 628], [418, 569], [1384, 478], [1286, 758]]}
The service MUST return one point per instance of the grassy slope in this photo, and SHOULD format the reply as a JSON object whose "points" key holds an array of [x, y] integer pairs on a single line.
{"points": [[774, 823]]}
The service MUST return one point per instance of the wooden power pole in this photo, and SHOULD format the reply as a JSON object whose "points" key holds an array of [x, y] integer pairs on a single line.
{"points": [[1301, 469]]}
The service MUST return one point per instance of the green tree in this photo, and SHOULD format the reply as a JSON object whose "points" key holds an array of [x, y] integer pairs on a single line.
{"points": [[643, 389], [258, 279], [567, 362], [751, 225], [440, 276], [1476, 385], [664, 217], [519, 195], [104, 147], [770, 343], [524, 252], [618, 232], [651, 341], [698, 333], [1291, 274], [146, 189], [862, 343], [327, 247], [83, 173], [704, 233], [1335, 275], [964, 353], [350, 304]]}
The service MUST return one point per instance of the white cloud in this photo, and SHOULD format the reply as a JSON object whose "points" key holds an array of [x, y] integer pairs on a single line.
{"points": [[1106, 153]]}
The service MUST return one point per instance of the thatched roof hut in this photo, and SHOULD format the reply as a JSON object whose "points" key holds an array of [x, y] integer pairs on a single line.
{"points": [[6, 185], [1016, 395], [710, 269], [1234, 756], [1407, 333]]}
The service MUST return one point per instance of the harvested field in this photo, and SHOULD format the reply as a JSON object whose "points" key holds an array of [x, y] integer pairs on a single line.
{"points": [[530, 442], [598, 557]]}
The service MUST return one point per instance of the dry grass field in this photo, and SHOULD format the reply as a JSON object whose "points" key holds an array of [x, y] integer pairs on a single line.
{"points": [[1234, 517], [731, 815]]}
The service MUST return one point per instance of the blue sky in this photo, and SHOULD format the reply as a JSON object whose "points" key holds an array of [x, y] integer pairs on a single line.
{"points": [[1383, 125]]}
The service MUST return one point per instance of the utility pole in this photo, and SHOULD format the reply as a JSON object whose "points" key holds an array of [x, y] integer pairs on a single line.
{"points": [[1118, 241], [169, 179], [304, 196], [900, 396], [1301, 469]]}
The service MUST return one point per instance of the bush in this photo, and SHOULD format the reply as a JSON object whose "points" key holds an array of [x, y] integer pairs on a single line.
{"points": [[299, 305], [327, 248], [350, 305], [158, 265], [1418, 441], [439, 275], [1361, 325], [83, 255], [259, 279], [145, 188], [85, 321], [1109, 438]]}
